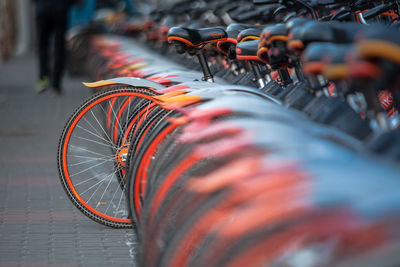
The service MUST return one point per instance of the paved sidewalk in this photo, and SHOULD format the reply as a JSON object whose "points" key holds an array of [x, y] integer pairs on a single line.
{"points": [[38, 224]]}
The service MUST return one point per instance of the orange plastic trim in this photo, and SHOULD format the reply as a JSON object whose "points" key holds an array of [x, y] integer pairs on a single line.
{"points": [[179, 39], [98, 84], [364, 69], [314, 67], [239, 57], [295, 45], [380, 49], [260, 54], [277, 38], [228, 40], [165, 96], [336, 72], [249, 38], [181, 98], [136, 66]]}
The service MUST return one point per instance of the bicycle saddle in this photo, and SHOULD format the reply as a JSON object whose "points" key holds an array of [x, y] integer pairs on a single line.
{"points": [[232, 32], [380, 32], [196, 37], [318, 56], [327, 52], [250, 34], [379, 42], [273, 33], [247, 50], [326, 32], [294, 38], [296, 22], [276, 55]]}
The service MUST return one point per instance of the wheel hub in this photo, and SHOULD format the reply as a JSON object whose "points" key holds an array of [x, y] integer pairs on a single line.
{"points": [[121, 156]]}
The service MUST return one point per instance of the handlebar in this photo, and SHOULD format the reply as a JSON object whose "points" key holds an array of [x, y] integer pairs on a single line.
{"points": [[373, 12]]}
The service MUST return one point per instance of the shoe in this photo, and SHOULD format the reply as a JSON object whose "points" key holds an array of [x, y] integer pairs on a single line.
{"points": [[42, 85]]}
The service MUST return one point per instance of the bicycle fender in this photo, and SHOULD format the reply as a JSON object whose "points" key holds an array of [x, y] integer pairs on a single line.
{"points": [[131, 81]]}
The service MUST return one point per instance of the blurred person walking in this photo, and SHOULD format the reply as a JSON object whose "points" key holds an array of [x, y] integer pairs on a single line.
{"points": [[51, 19]]}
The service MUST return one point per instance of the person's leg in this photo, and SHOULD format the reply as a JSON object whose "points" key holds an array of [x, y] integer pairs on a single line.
{"points": [[60, 27], [43, 31]]}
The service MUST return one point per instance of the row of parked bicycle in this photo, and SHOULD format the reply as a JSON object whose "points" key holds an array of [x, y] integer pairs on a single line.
{"points": [[267, 156]]}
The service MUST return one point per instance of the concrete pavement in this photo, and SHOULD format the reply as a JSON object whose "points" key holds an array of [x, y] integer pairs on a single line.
{"points": [[39, 226]]}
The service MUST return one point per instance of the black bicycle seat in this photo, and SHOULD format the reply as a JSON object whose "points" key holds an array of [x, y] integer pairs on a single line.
{"points": [[247, 50], [249, 34], [294, 42], [273, 33], [379, 42], [327, 52], [317, 32], [331, 32], [196, 37], [232, 31], [296, 22], [380, 32], [277, 53], [318, 56]]}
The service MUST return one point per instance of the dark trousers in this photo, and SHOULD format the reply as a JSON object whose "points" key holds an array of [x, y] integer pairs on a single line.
{"points": [[52, 24]]}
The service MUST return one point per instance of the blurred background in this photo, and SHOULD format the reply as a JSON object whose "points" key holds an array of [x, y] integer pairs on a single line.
{"points": [[18, 27]]}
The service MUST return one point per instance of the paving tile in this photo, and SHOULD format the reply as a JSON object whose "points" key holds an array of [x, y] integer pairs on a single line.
{"points": [[39, 226]]}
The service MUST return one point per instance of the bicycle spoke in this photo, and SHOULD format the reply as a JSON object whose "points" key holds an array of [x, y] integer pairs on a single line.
{"points": [[116, 119], [94, 166], [90, 140], [87, 157], [88, 161], [92, 178], [104, 131], [102, 181], [98, 134], [111, 201], [87, 150], [122, 194], [109, 182]]}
